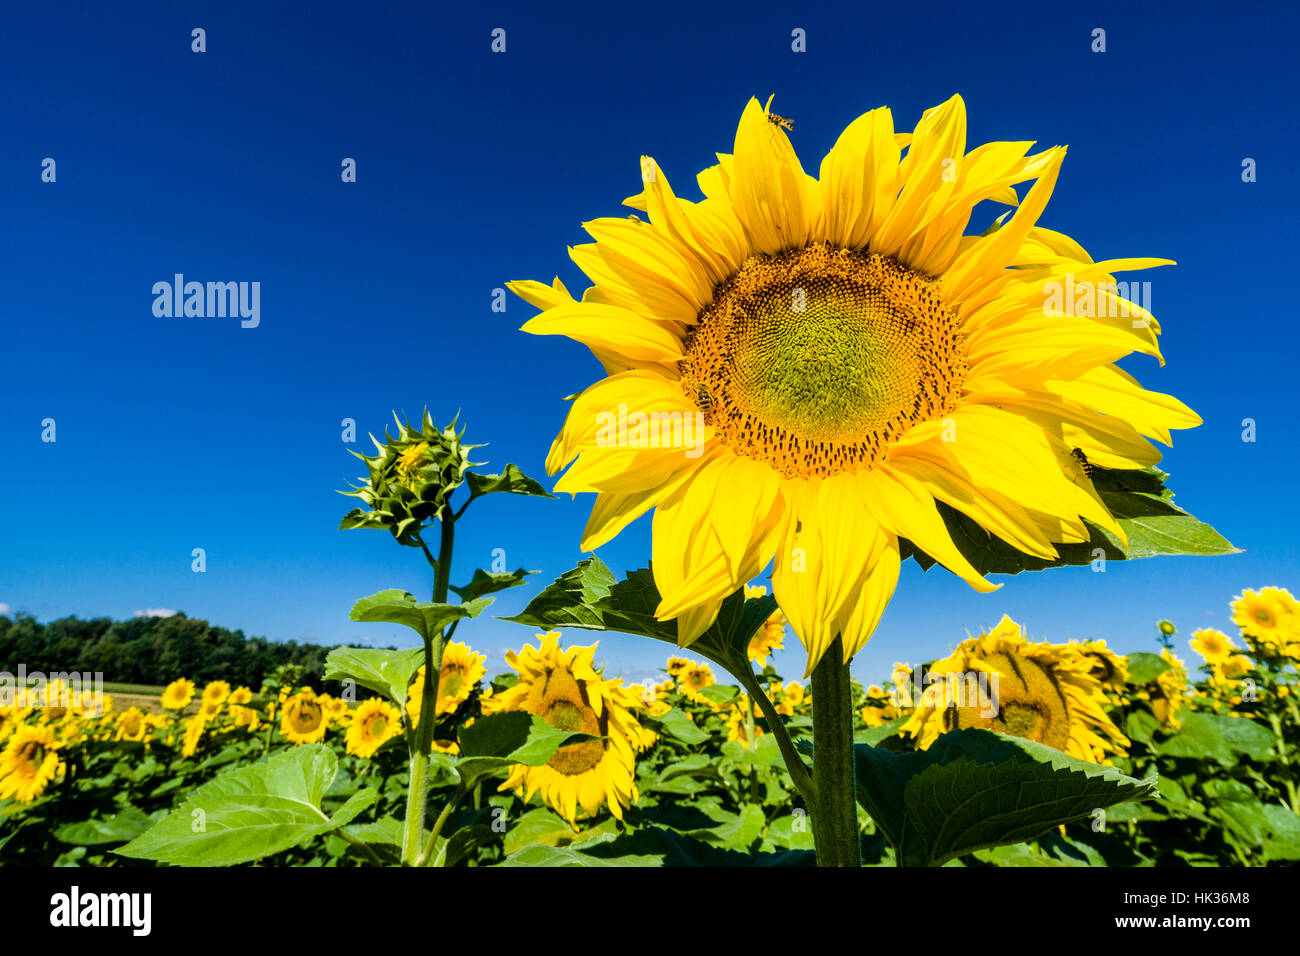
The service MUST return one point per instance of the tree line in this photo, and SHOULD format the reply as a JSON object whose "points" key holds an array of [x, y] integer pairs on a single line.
{"points": [[153, 650]]}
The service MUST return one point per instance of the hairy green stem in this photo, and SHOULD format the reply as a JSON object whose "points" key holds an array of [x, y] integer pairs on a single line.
{"points": [[835, 814], [418, 794]]}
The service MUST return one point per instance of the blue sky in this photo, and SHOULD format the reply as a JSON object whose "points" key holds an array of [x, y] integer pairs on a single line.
{"points": [[476, 168]]}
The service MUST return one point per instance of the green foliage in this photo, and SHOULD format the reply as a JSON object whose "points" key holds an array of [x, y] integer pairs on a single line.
{"points": [[974, 789]]}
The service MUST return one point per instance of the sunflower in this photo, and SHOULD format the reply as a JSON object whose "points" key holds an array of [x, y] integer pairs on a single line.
{"points": [[788, 698], [194, 728], [1214, 646], [304, 719], [241, 696], [564, 688], [879, 708], [178, 694], [1271, 617], [1167, 694], [132, 724], [1103, 663], [826, 358], [694, 678], [771, 636], [374, 723], [28, 763], [676, 665], [1001, 681], [738, 725], [461, 671]]}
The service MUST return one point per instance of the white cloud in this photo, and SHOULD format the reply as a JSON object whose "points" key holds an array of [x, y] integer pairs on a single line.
{"points": [[4, 608], [155, 612]]}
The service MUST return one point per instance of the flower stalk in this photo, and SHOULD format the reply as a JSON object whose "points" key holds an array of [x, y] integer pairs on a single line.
{"points": [[835, 811]]}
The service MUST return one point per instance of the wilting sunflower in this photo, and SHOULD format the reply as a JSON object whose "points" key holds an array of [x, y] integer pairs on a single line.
{"points": [[564, 688], [194, 728], [1214, 646], [374, 723], [304, 719], [1000, 681], [1271, 616], [178, 694], [28, 763], [852, 356], [771, 636]]}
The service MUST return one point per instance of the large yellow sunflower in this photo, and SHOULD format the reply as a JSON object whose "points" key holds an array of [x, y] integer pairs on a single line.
{"points": [[851, 356], [564, 688], [1000, 681], [28, 763]]}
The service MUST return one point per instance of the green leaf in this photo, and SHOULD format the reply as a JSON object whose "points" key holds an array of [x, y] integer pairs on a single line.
{"points": [[250, 812], [395, 606], [502, 740], [126, 824], [484, 583], [589, 596], [512, 481], [1141, 504], [386, 672], [652, 846], [1219, 737], [1143, 668], [676, 723], [974, 789]]}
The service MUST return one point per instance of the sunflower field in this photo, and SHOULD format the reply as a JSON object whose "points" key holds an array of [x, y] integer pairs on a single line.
{"points": [[807, 381], [686, 771]]}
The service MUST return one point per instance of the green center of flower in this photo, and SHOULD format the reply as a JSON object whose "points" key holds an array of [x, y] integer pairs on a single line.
{"points": [[575, 758], [813, 360]]}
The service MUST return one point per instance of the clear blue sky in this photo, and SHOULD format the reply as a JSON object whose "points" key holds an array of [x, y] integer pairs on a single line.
{"points": [[475, 168]]}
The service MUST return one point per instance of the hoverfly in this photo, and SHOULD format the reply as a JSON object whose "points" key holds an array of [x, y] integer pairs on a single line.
{"points": [[781, 121]]}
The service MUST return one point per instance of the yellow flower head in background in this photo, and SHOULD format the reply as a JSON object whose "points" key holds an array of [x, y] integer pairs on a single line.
{"points": [[1103, 663], [799, 368], [879, 708], [788, 698], [28, 763], [194, 728], [304, 719], [771, 636], [738, 725], [1271, 617], [694, 678], [216, 692], [374, 723], [1002, 682], [1214, 646], [461, 671], [1168, 694], [563, 688], [132, 724], [178, 694]]}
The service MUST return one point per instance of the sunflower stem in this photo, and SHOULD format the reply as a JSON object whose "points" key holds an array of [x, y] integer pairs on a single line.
{"points": [[835, 813], [794, 764], [418, 795]]}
